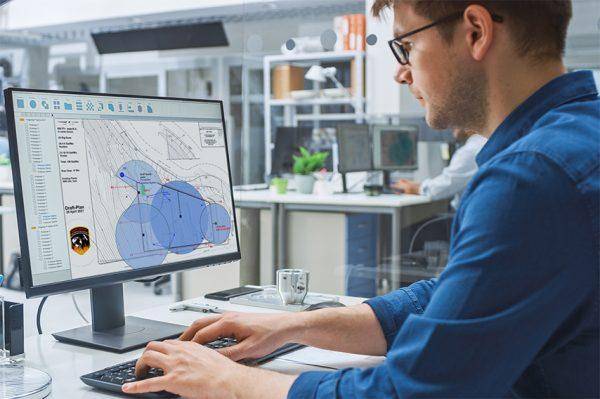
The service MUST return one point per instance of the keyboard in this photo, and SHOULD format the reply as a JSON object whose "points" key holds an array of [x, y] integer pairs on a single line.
{"points": [[113, 377]]}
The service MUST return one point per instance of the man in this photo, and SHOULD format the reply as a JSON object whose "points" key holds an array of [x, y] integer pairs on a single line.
{"points": [[454, 178], [515, 312]]}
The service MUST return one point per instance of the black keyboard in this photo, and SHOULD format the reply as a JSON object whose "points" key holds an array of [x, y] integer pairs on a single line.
{"points": [[113, 377]]}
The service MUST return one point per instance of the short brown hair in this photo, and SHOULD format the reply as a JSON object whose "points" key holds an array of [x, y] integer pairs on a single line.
{"points": [[538, 28]]}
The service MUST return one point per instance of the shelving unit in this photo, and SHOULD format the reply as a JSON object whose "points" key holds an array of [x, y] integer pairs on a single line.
{"points": [[291, 118]]}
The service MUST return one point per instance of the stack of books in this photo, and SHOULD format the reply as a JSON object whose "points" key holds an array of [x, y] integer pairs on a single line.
{"points": [[350, 30]]}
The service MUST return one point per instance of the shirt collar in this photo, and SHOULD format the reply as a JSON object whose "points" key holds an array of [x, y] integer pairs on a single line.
{"points": [[563, 89]]}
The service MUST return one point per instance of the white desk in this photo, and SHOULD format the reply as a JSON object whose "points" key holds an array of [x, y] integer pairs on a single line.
{"points": [[341, 203], [66, 363]]}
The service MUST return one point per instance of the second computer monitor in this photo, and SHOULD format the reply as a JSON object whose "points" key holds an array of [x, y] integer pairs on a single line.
{"points": [[354, 148], [395, 147], [288, 141]]}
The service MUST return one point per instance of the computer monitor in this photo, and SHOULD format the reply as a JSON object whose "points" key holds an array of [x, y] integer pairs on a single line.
{"points": [[395, 147], [354, 148], [288, 141], [111, 188]]}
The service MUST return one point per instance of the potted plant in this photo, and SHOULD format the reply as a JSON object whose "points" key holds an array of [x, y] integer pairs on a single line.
{"points": [[304, 166]]}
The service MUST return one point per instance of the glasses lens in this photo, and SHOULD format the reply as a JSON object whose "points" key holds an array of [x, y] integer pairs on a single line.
{"points": [[400, 52]]}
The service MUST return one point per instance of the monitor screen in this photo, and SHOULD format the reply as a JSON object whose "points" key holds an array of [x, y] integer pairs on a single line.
{"points": [[395, 147], [354, 148], [288, 141], [118, 186]]}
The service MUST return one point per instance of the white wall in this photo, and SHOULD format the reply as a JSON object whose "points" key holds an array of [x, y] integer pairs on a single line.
{"points": [[24, 14], [583, 51], [384, 95]]}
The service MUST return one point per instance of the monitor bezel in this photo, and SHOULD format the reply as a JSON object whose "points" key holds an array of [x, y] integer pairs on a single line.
{"points": [[377, 130], [339, 133], [31, 290]]}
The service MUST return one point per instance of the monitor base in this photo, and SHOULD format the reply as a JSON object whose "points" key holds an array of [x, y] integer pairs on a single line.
{"points": [[136, 333]]}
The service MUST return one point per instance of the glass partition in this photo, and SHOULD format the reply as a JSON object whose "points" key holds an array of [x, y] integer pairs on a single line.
{"points": [[310, 74]]}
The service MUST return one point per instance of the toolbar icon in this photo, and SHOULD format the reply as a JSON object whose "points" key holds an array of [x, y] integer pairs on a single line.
{"points": [[68, 106], [100, 106], [45, 104], [32, 104], [56, 104], [130, 107], [111, 107], [79, 105], [149, 109], [20, 103], [121, 109]]}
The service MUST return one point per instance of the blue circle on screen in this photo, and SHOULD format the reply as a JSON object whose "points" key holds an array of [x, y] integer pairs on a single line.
{"points": [[138, 243], [182, 205], [216, 224]]}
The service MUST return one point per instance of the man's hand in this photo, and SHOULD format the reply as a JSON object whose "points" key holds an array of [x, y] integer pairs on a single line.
{"points": [[339, 329], [194, 371], [407, 186], [257, 334]]}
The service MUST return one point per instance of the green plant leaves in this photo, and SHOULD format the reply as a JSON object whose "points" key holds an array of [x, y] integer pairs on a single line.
{"points": [[308, 163]]}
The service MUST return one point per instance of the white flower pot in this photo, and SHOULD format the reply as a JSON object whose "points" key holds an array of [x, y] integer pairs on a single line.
{"points": [[5, 174], [304, 183]]}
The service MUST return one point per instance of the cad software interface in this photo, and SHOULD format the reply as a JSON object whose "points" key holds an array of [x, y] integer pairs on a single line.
{"points": [[112, 184]]}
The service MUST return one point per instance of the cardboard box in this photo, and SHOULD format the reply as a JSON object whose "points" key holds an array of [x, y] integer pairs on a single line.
{"points": [[287, 78]]}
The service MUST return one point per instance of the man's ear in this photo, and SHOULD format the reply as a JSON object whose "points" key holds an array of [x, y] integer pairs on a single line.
{"points": [[479, 30]]}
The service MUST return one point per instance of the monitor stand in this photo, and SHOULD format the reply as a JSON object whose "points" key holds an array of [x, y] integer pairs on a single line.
{"points": [[387, 189], [344, 184], [111, 330]]}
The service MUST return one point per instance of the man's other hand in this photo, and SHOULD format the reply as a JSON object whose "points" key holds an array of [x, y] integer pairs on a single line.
{"points": [[257, 334], [406, 186]]}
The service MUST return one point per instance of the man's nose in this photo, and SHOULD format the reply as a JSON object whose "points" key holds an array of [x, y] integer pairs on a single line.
{"points": [[403, 75]]}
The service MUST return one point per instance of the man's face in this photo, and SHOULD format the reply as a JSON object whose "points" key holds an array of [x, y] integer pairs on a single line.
{"points": [[441, 75]]}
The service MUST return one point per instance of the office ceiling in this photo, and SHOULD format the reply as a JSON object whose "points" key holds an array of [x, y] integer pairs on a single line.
{"points": [[80, 31]]}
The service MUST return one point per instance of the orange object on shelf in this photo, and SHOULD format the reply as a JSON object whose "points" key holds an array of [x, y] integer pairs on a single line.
{"points": [[361, 30], [346, 31], [287, 78]]}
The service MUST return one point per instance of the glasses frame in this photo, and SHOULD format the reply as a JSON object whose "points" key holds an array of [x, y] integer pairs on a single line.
{"points": [[401, 52]]}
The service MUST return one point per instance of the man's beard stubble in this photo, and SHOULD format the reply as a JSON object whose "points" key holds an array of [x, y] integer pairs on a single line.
{"points": [[465, 105]]}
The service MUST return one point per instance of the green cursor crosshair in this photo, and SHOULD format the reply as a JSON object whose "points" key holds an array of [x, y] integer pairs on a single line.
{"points": [[143, 190]]}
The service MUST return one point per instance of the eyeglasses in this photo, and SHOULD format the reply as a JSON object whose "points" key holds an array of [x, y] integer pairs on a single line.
{"points": [[400, 49]]}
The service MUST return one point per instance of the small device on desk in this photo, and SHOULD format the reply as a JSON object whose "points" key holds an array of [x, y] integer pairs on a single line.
{"points": [[11, 328], [231, 293]]}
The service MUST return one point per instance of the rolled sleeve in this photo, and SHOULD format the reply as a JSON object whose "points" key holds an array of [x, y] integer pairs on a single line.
{"points": [[315, 384], [392, 309]]}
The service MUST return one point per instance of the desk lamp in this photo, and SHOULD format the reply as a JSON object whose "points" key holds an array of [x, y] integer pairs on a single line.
{"points": [[319, 74]]}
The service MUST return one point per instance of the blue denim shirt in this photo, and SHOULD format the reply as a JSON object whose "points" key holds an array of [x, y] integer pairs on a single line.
{"points": [[515, 313]]}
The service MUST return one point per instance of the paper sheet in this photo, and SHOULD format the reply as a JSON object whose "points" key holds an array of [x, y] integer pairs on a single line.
{"points": [[331, 359]]}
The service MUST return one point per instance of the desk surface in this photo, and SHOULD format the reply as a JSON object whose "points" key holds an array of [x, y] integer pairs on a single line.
{"points": [[350, 199], [7, 187], [66, 363]]}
